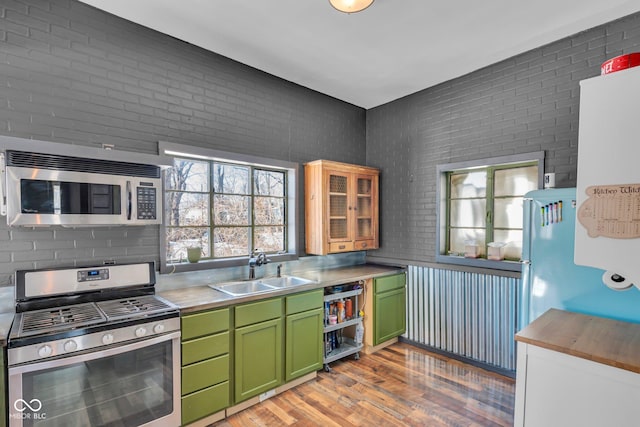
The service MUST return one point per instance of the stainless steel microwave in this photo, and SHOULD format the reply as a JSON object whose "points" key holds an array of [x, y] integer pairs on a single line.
{"points": [[49, 189]]}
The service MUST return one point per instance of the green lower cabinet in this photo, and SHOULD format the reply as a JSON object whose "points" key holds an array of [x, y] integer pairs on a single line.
{"points": [[303, 340], [258, 358], [389, 308], [206, 369], [203, 348], [203, 374], [204, 402]]}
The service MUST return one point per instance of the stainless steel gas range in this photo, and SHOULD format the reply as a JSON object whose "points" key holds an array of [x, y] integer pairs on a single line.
{"points": [[93, 346]]}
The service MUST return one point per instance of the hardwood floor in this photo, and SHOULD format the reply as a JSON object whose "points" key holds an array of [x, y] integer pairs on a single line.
{"points": [[400, 385]]}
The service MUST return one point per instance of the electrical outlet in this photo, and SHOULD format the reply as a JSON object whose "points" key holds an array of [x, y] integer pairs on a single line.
{"points": [[267, 394]]}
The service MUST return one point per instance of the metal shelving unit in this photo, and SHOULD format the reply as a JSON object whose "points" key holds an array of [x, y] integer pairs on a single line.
{"points": [[345, 346]]}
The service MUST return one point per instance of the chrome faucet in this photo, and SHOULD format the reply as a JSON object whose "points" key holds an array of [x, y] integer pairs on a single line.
{"points": [[257, 259]]}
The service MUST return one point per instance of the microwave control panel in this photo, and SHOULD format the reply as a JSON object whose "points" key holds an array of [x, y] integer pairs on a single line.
{"points": [[147, 203]]}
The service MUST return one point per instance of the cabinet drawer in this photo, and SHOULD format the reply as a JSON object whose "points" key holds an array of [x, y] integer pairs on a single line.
{"points": [[248, 314], [341, 247], [205, 402], [388, 283], [205, 323], [203, 348], [362, 245], [304, 301], [205, 374]]}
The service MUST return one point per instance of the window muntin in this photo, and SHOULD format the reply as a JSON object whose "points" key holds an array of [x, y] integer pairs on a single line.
{"points": [[242, 207], [484, 204]]}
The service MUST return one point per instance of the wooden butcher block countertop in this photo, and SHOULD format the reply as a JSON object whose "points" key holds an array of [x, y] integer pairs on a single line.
{"points": [[611, 342]]}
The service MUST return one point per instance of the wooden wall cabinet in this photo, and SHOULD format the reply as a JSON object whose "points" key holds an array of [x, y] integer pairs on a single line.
{"points": [[341, 207]]}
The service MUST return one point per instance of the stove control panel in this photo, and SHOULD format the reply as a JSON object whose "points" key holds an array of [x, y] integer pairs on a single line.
{"points": [[94, 341], [93, 274]]}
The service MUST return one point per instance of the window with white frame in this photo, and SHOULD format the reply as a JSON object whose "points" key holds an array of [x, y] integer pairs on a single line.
{"points": [[227, 208], [480, 216]]}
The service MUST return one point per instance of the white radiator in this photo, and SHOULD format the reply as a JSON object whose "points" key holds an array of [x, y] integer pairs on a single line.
{"points": [[468, 314]]}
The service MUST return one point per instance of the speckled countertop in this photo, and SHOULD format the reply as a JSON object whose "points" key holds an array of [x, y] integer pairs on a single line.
{"points": [[194, 297]]}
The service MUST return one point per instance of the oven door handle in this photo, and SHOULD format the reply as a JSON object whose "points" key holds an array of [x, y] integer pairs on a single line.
{"points": [[98, 354]]}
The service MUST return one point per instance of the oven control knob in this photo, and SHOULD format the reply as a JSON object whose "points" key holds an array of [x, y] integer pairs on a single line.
{"points": [[107, 339], [45, 351], [70, 345], [159, 328], [141, 331]]}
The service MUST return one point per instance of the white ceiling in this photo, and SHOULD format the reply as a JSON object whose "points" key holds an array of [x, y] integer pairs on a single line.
{"points": [[392, 49]]}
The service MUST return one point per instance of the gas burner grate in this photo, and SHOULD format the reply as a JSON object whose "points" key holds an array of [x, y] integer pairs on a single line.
{"points": [[136, 306], [54, 319]]}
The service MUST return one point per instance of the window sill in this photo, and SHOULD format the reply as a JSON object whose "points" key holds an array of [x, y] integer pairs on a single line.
{"points": [[480, 262], [210, 264]]}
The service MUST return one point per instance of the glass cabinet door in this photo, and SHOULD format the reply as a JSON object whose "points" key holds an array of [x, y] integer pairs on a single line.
{"points": [[364, 208], [338, 206]]}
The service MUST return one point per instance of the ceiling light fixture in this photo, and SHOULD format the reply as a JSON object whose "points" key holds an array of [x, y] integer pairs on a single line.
{"points": [[350, 6]]}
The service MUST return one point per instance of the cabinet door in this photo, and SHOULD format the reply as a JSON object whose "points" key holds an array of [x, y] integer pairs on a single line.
{"points": [[339, 209], [365, 208], [303, 338], [258, 358], [389, 315]]}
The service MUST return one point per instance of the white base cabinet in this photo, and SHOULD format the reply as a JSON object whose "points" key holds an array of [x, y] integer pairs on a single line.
{"points": [[556, 389]]}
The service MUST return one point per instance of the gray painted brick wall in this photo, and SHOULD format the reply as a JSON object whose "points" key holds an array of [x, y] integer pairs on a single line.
{"points": [[73, 74], [524, 104]]}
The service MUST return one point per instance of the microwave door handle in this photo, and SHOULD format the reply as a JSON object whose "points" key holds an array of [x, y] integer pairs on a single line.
{"points": [[3, 186], [129, 202]]}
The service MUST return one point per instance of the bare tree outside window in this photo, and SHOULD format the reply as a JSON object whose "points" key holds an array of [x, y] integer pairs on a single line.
{"points": [[242, 207], [269, 210]]}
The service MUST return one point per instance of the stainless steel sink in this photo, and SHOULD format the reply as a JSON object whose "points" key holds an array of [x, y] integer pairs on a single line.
{"points": [[286, 281], [258, 286], [243, 288]]}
